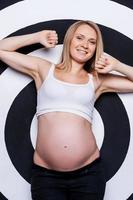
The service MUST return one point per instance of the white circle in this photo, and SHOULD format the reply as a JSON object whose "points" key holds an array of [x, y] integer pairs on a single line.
{"points": [[33, 131], [98, 128]]}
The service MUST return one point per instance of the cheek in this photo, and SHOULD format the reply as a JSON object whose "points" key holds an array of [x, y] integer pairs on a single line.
{"points": [[72, 45], [72, 48], [93, 48]]}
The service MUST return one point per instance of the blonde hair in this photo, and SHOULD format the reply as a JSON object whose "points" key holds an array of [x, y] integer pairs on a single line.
{"points": [[65, 62]]}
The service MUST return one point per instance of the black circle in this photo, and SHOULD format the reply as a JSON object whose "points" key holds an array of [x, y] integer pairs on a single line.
{"points": [[17, 130], [117, 132]]}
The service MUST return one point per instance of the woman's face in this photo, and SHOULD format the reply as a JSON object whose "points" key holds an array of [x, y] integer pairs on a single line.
{"points": [[83, 44]]}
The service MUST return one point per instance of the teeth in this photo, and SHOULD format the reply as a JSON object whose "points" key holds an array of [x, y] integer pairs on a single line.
{"points": [[82, 51]]}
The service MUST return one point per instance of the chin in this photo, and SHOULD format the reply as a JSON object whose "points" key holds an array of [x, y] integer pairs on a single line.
{"points": [[81, 61]]}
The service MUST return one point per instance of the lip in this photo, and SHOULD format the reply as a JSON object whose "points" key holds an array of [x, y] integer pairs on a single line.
{"points": [[82, 51]]}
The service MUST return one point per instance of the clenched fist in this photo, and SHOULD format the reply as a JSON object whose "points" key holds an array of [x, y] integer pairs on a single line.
{"points": [[106, 64], [48, 38]]}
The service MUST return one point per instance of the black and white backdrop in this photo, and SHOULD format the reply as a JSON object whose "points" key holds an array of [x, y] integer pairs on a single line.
{"points": [[113, 115]]}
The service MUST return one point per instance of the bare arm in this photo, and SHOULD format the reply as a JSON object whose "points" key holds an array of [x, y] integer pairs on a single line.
{"points": [[47, 37], [25, 63], [114, 82], [16, 42]]}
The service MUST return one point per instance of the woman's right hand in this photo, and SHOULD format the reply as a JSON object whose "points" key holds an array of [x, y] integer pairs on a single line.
{"points": [[48, 38]]}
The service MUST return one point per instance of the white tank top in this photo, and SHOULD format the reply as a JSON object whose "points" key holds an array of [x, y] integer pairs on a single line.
{"points": [[56, 95]]}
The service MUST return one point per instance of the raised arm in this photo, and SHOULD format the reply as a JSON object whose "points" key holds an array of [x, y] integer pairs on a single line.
{"points": [[109, 81], [24, 63], [46, 37]]}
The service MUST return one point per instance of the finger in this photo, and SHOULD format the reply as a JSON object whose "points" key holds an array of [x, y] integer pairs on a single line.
{"points": [[53, 42], [51, 46], [52, 38], [99, 67], [105, 61], [101, 62], [53, 34], [103, 58], [102, 71]]}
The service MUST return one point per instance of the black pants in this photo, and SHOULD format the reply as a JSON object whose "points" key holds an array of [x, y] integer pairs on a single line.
{"points": [[86, 183]]}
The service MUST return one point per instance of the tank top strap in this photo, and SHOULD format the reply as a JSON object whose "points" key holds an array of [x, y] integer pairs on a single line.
{"points": [[91, 79], [51, 70], [90, 76]]}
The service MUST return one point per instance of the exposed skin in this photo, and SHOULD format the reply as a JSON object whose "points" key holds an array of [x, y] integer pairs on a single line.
{"points": [[65, 141]]}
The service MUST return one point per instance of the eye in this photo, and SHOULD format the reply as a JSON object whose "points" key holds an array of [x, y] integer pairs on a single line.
{"points": [[93, 42], [79, 37]]}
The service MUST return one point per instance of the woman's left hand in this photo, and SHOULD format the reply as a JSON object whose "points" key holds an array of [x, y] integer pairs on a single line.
{"points": [[106, 64]]}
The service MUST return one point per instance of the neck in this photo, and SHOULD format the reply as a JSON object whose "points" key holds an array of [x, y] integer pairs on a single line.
{"points": [[76, 67]]}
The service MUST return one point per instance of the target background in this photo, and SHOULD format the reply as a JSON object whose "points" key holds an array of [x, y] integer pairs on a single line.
{"points": [[113, 116]]}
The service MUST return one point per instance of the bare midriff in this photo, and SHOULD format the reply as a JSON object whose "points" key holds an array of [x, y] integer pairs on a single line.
{"points": [[65, 142]]}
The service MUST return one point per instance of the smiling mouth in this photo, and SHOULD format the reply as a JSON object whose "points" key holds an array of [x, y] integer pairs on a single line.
{"points": [[82, 51]]}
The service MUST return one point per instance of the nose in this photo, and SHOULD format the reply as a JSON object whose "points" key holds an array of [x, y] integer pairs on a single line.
{"points": [[85, 44]]}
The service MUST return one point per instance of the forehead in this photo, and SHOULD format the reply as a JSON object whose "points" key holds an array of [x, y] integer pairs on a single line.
{"points": [[86, 30]]}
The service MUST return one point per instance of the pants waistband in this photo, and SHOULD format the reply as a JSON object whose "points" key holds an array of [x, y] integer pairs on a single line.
{"points": [[79, 171]]}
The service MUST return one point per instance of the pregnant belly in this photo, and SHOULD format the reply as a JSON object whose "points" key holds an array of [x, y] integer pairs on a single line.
{"points": [[64, 144]]}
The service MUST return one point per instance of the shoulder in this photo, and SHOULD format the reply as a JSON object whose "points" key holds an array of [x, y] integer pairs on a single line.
{"points": [[96, 79]]}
